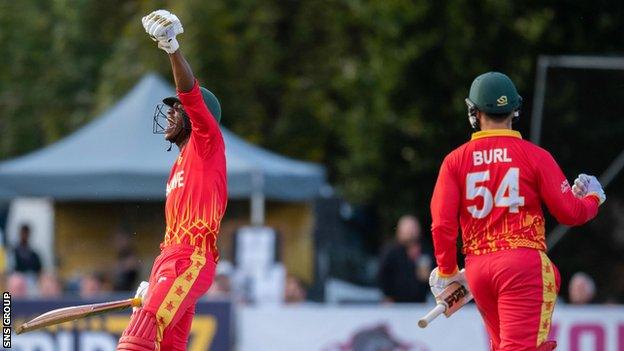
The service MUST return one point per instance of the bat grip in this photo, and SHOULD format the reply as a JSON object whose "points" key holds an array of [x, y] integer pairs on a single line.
{"points": [[136, 302], [433, 314]]}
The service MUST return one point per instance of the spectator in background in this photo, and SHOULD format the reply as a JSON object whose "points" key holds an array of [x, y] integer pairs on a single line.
{"points": [[49, 286], [404, 269], [17, 285], [294, 292], [26, 259], [127, 265], [222, 285], [582, 289], [91, 285]]}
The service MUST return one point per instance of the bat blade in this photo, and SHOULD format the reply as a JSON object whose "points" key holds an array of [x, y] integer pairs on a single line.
{"points": [[448, 302], [71, 313]]}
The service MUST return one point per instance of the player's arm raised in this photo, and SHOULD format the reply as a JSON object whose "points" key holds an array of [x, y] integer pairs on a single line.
{"points": [[182, 73], [560, 198], [163, 27], [203, 123]]}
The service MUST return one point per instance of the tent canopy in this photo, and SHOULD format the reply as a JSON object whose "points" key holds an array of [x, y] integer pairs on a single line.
{"points": [[116, 157]]}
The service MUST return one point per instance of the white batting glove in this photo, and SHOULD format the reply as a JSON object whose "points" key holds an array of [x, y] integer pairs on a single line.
{"points": [[595, 188], [141, 292], [579, 189], [163, 26], [438, 283]]}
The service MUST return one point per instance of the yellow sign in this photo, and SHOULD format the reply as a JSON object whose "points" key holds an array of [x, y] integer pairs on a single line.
{"points": [[202, 334]]}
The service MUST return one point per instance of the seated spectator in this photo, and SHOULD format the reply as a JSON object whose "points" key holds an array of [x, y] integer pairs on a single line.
{"points": [[92, 285], [404, 269], [582, 289], [26, 259], [17, 285], [49, 286], [222, 285], [127, 268], [294, 291]]}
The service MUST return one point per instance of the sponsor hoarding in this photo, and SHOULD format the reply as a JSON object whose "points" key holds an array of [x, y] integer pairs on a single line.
{"points": [[322, 328], [211, 329]]}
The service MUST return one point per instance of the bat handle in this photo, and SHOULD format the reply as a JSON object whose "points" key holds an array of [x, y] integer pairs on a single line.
{"points": [[433, 314], [136, 302]]}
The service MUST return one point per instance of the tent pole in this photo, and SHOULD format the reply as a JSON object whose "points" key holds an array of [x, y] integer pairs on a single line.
{"points": [[257, 199]]}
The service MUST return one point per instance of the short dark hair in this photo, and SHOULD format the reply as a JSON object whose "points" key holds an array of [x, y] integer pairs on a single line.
{"points": [[24, 227]]}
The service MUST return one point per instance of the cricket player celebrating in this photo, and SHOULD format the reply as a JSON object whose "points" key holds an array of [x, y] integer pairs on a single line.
{"points": [[196, 201], [494, 186]]}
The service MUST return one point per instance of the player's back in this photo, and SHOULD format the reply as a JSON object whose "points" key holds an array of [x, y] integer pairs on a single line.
{"points": [[498, 176]]}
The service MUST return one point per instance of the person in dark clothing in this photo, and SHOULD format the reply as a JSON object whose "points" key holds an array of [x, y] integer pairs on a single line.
{"points": [[404, 269], [127, 267], [26, 259]]}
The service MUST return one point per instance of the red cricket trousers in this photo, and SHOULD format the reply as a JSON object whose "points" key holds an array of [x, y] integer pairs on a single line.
{"points": [[180, 276], [515, 292]]}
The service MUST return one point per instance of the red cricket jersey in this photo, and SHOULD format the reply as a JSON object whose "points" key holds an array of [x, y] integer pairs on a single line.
{"points": [[494, 186], [197, 185]]}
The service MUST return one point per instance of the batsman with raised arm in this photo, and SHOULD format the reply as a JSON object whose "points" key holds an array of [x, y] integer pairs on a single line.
{"points": [[494, 186], [196, 201]]}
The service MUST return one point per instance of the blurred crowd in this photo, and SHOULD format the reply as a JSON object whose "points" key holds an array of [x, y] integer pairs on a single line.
{"points": [[24, 276], [403, 273]]}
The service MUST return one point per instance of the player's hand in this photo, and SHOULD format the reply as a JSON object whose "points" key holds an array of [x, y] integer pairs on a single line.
{"points": [[586, 185], [439, 283], [163, 27], [579, 189], [141, 292], [595, 188]]}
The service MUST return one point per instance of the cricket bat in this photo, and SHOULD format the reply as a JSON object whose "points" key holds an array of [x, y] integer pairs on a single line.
{"points": [[67, 314], [448, 302]]}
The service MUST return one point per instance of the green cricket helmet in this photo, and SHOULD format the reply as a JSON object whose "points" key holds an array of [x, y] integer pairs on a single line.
{"points": [[160, 115], [495, 94]]}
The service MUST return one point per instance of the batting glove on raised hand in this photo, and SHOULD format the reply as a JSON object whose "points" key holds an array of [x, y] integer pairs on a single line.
{"points": [[595, 188], [579, 189], [163, 26], [141, 292], [585, 185], [438, 283]]}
